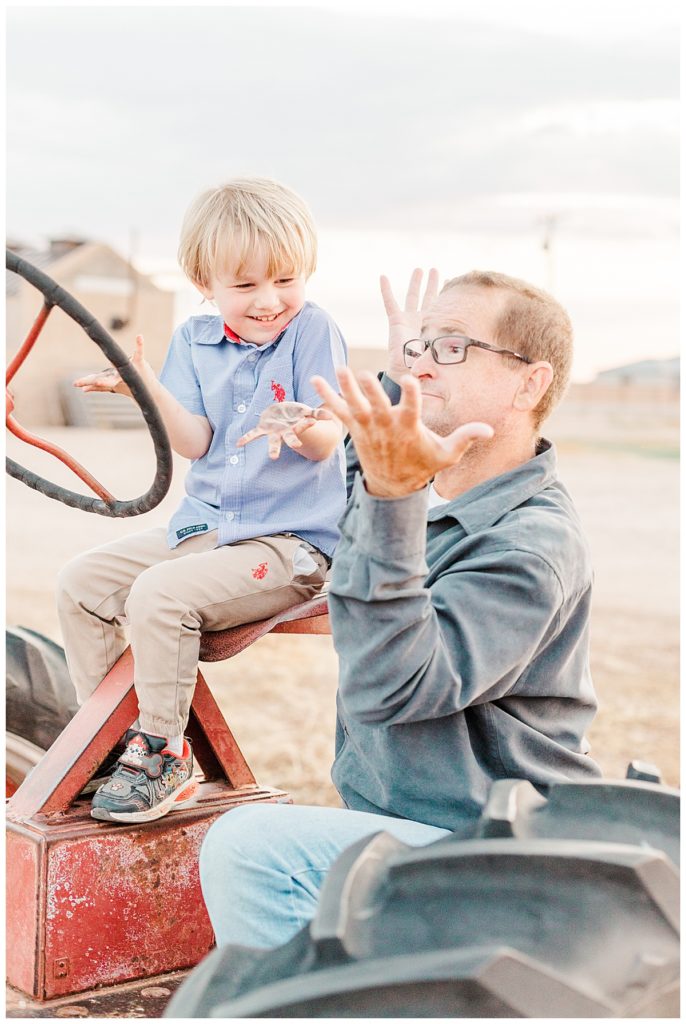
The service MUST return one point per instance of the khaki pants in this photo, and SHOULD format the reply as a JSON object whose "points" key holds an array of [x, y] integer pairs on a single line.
{"points": [[167, 598]]}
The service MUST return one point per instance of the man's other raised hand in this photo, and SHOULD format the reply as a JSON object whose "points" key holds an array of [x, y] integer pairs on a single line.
{"points": [[406, 324]]}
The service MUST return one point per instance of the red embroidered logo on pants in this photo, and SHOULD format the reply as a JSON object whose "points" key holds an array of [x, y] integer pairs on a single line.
{"points": [[261, 571], [279, 393]]}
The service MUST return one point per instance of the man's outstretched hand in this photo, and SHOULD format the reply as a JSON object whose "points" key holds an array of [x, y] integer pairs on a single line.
{"points": [[397, 452]]}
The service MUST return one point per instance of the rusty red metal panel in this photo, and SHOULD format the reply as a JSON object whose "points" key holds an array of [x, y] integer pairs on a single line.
{"points": [[124, 904], [23, 910], [116, 903]]}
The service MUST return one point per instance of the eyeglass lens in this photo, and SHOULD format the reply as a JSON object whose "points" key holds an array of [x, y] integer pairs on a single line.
{"points": [[445, 350]]}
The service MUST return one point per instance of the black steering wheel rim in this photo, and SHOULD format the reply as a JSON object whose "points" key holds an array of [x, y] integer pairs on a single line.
{"points": [[55, 295]]}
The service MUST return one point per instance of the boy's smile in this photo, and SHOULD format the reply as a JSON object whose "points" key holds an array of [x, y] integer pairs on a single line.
{"points": [[254, 304]]}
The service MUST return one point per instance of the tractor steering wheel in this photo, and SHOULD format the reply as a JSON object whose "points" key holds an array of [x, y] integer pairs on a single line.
{"points": [[106, 504]]}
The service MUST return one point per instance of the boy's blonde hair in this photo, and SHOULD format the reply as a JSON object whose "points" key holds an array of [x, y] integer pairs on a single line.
{"points": [[534, 324], [226, 226]]}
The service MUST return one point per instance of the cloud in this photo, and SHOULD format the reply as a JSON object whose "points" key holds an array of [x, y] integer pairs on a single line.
{"points": [[375, 120]]}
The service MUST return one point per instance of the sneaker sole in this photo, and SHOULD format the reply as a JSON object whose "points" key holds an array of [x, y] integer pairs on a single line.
{"points": [[174, 802]]}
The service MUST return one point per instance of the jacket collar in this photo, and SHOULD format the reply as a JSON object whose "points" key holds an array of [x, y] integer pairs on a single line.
{"points": [[485, 504]]}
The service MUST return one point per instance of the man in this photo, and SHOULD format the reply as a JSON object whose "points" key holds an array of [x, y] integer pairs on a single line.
{"points": [[459, 600]]}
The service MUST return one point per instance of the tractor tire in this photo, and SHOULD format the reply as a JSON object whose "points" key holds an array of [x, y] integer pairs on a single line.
{"points": [[556, 905], [40, 700]]}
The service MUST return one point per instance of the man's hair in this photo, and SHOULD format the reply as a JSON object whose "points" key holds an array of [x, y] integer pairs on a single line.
{"points": [[534, 324], [225, 227]]}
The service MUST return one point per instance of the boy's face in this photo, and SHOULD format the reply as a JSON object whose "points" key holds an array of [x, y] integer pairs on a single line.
{"points": [[257, 307]]}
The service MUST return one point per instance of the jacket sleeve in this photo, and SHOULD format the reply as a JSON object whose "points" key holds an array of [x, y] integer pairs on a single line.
{"points": [[412, 653]]}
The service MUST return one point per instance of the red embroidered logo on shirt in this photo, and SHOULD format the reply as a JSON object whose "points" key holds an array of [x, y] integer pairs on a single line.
{"points": [[261, 571], [279, 393]]}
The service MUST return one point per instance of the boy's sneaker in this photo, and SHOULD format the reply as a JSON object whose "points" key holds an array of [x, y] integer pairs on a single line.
{"points": [[104, 771], [147, 783]]}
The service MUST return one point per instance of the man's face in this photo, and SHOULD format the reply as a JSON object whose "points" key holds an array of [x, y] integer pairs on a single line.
{"points": [[482, 387], [255, 305]]}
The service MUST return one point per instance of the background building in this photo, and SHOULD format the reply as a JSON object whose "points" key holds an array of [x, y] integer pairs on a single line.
{"points": [[123, 300]]}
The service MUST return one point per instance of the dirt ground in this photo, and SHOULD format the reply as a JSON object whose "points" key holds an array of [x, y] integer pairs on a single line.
{"points": [[619, 462]]}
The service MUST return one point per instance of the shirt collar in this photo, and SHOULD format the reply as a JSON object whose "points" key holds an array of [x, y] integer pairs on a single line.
{"points": [[230, 334], [483, 505], [217, 331]]}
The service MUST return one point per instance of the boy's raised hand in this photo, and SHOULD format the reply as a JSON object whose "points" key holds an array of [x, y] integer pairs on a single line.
{"points": [[284, 423], [111, 380], [406, 324]]}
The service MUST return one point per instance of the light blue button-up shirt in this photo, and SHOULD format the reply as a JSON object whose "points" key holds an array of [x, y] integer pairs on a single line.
{"points": [[241, 492]]}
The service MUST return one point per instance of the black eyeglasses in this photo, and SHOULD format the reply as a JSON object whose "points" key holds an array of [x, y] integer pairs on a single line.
{"points": [[451, 348]]}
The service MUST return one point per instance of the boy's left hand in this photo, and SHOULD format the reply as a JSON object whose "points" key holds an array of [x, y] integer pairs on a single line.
{"points": [[284, 423]]}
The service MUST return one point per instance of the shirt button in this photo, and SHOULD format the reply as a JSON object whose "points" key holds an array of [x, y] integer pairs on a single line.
{"points": [[230, 515], [251, 358], [233, 460], [242, 407]]}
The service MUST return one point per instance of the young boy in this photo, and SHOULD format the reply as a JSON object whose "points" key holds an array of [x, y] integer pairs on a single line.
{"points": [[253, 535]]}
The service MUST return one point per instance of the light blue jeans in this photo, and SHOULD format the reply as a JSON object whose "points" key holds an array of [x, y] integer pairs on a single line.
{"points": [[262, 865]]}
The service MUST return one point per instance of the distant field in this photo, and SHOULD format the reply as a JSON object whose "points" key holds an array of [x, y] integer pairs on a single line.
{"points": [[620, 464]]}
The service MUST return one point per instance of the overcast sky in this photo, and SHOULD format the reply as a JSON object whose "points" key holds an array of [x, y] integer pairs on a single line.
{"points": [[436, 119]]}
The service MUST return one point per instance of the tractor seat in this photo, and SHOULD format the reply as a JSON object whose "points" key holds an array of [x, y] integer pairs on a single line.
{"points": [[309, 617]]}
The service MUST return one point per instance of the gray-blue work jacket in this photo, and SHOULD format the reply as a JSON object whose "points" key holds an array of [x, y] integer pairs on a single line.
{"points": [[463, 637]]}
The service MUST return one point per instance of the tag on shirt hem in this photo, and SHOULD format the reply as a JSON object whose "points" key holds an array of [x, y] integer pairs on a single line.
{"points": [[188, 530]]}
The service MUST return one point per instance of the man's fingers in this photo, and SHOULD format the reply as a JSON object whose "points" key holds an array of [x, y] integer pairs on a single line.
{"points": [[340, 405], [390, 304], [361, 400], [333, 400], [358, 405], [459, 441], [414, 287], [378, 400], [410, 405], [431, 289]]}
